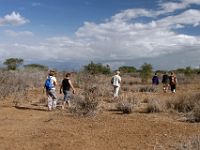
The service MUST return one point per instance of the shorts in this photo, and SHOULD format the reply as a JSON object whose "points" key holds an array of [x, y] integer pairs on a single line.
{"points": [[67, 95]]}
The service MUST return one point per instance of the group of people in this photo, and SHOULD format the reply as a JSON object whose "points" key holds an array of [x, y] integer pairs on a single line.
{"points": [[167, 81], [66, 86]]}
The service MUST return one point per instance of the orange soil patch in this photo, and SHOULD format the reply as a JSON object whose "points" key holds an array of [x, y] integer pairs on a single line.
{"points": [[33, 129]]}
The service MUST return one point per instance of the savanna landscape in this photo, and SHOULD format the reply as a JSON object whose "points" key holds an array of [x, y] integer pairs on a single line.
{"points": [[142, 117]]}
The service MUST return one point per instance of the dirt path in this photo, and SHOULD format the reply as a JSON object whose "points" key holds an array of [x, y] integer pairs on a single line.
{"points": [[33, 129]]}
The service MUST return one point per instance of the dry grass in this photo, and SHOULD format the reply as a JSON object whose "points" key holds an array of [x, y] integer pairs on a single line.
{"points": [[191, 143], [84, 106], [17, 84]]}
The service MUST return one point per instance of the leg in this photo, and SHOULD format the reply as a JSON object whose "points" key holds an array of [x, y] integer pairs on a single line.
{"points": [[49, 101], [52, 93], [67, 95], [116, 91]]}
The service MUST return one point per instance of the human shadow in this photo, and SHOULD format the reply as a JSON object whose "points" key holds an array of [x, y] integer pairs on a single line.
{"points": [[30, 108]]}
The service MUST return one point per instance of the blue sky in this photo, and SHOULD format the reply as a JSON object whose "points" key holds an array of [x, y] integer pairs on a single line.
{"points": [[116, 32]]}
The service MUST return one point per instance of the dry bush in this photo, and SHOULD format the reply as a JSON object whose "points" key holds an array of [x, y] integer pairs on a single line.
{"points": [[125, 107], [126, 103], [184, 103], [194, 115], [17, 84], [84, 106], [189, 104], [187, 79], [154, 106], [100, 82], [192, 143], [147, 89]]}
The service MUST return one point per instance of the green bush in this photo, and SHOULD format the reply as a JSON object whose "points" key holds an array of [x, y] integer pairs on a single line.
{"points": [[36, 67], [13, 63], [94, 68], [127, 69], [146, 72]]}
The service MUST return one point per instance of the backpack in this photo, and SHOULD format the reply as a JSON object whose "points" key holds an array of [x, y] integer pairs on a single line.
{"points": [[112, 80], [48, 84]]}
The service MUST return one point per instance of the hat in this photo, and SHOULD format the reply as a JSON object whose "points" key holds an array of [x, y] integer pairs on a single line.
{"points": [[117, 72], [52, 72]]}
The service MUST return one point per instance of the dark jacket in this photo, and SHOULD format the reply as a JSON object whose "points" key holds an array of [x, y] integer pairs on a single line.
{"points": [[165, 79], [155, 80]]}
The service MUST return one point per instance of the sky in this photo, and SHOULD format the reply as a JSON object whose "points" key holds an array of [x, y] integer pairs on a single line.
{"points": [[64, 33]]}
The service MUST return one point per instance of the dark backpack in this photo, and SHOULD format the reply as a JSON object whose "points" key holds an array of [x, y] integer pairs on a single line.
{"points": [[48, 84], [112, 80]]}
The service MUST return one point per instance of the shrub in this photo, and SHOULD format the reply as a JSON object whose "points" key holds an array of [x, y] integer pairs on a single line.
{"points": [[127, 69], [194, 116], [153, 106], [146, 72], [147, 89], [17, 83], [35, 67], [97, 68], [192, 143], [186, 103], [125, 107], [84, 106]]}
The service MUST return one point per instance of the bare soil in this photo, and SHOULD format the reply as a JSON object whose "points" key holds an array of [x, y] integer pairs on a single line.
{"points": [[33, 128]]}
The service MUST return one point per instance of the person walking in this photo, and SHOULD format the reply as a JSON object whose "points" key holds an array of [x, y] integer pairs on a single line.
{"points": [[155, 80], [173, 82], [65, 88], [165, 81], [116, 80], [50, 85]]}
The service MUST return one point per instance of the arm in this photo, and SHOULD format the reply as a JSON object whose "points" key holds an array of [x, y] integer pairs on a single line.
{"points": [[71, 85], [61, 87]]}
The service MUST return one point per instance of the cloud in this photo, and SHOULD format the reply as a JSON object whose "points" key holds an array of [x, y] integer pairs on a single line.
{"points": [[132, 14], [131, 40], [120, 38], [18, 34], [13, 19], [173, 6]]}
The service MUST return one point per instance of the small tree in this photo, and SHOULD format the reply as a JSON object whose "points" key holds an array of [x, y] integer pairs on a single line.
{"points": [[13, 63], [35, 66], [97, 68], [127, 69], [146, 72]]}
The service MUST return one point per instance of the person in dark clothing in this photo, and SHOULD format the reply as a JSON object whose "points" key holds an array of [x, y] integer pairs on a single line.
{"points": [[165, 81], [66, 87], [155, 80], [173, 82]]}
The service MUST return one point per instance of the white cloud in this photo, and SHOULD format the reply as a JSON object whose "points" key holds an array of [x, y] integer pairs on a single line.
{"points": [[120, 37], [13, 19], [131, 14], [18, 34], [189, 17], [182, 4]]}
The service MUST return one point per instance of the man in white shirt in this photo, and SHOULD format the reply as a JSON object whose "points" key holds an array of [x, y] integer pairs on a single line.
{"points": [[116, 80]]}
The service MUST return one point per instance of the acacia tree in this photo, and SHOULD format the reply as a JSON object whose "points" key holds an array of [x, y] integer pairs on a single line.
{"points": [[36, 66], [94, 68], [13, 63], [146, 72]]}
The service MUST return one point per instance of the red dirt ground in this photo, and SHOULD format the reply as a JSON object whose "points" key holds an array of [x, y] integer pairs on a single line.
{"points": [[31, 129]]}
